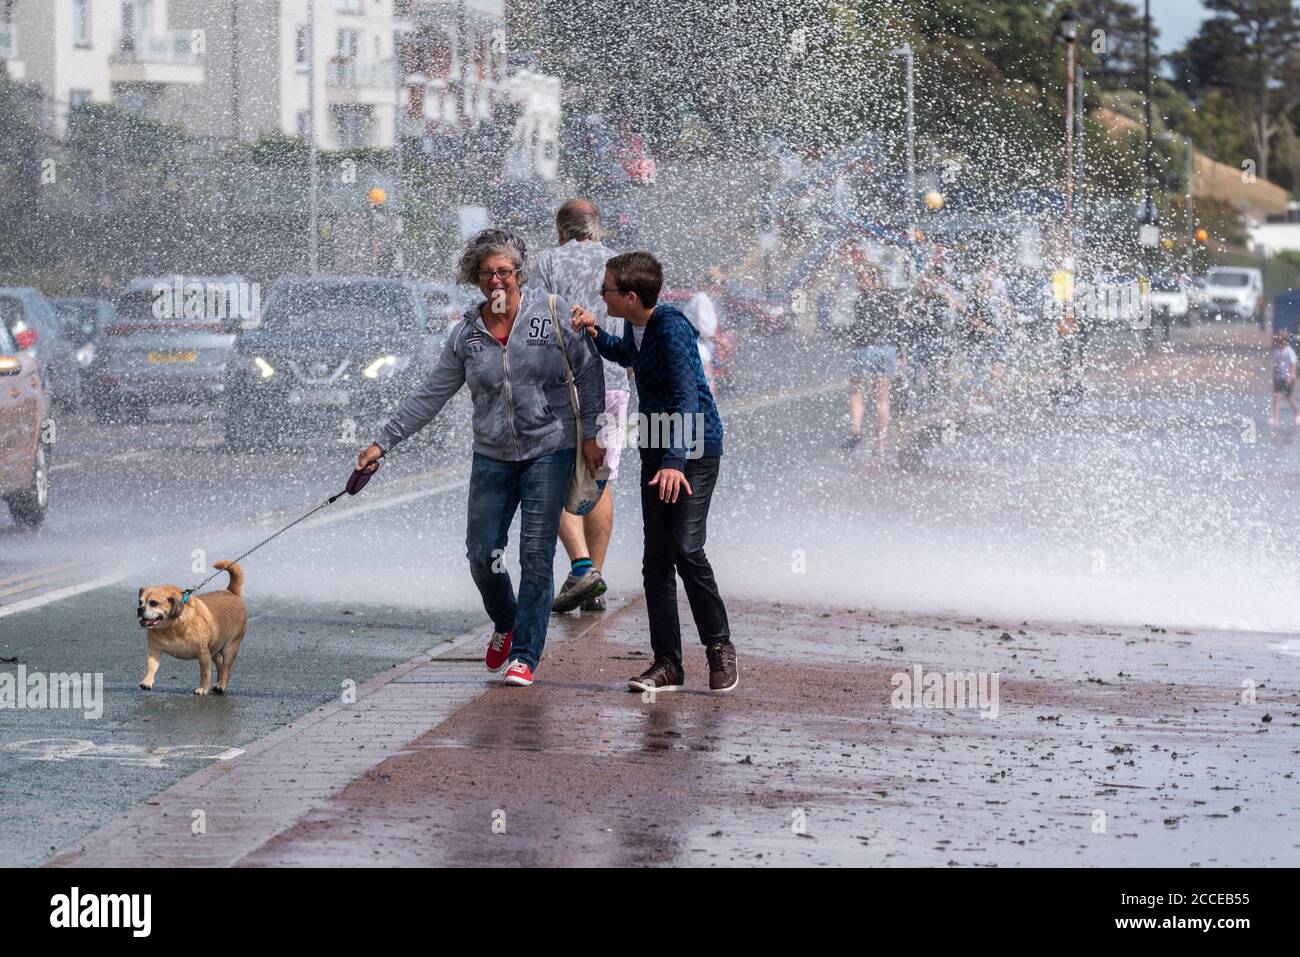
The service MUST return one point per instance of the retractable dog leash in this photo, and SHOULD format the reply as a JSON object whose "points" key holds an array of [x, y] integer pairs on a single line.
{"points": [[356, 482]]}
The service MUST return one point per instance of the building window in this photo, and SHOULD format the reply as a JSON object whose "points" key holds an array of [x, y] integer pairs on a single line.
{"points": [[301, 49], [77, 97], [81, 23], [352, 126], [347, 48]]}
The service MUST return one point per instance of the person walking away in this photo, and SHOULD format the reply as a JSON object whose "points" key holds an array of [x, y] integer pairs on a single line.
{"points": [[508, 350], [574, 270], [702, 311], [929, 349], [989, 322], [874, 340], [678, 475], [1284, 362]]}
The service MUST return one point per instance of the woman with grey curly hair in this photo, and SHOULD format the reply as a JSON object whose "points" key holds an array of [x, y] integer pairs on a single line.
{"points": [[493, 242], [508, 349]]}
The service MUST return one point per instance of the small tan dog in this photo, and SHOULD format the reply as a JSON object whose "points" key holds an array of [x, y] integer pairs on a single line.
{"points": [[208, 627]]}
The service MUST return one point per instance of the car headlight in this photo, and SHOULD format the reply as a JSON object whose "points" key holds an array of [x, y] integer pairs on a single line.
{"points": [[85, 355], [264, 367], [384, 365]]}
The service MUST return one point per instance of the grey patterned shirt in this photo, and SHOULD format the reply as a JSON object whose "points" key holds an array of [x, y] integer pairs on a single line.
{"points": [[575, 272]]}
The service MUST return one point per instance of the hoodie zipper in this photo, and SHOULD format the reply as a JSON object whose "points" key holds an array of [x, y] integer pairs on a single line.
{"points": [[505, 364]]}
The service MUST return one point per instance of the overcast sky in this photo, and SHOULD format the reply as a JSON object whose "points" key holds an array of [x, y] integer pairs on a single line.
{"points": [[1176, 20]]}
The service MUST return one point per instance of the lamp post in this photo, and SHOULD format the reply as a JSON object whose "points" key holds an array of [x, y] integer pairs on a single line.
{"points": [[905, 51], [313, 237], [1066, 328], [1190, 174], [1148, 208], [1069, 31], [399, 80]]}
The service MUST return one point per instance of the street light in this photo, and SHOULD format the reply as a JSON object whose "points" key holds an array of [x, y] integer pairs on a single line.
{"points": [[376, 196], [1168, 136], [905, 51], [313, 169], [1063, 280], [934, 200], [1068, 29]]}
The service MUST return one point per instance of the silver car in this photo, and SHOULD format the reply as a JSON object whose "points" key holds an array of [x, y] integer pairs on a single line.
{"points": [[170, 341]]}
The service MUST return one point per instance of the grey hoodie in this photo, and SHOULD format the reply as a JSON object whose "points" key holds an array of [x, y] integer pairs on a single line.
{"points": [[520, 392]]}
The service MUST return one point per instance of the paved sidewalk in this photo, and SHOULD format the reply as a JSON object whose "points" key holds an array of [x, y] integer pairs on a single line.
{"points": [[1104, 746], [278, 779]]}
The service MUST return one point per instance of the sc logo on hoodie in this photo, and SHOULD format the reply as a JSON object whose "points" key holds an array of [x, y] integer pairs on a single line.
{"points": [[539, 330]]}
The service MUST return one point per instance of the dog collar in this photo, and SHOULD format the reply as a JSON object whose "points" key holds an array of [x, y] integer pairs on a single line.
{"points": [[185, 596]]}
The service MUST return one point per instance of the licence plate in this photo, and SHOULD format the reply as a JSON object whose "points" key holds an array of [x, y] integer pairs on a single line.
{"points": [[317, 397], [190, 356]]}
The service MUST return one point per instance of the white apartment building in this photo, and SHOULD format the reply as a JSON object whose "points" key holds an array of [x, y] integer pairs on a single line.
{"points": [[241, 69], [261, 57], [122, 51]]}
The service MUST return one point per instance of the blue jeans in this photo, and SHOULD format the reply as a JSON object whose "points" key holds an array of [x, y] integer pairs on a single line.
{"points": [[496, 490]]}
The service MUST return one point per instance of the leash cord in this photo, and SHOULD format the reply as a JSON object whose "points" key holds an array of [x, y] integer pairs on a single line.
{"points": [[191, 591]]}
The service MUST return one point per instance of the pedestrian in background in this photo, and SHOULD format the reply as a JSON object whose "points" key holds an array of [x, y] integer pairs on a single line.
{"points": [[1284, 360], [702, 311], [929, 342], [875, 341], [677, 481], [990, 320], [574, 270]]}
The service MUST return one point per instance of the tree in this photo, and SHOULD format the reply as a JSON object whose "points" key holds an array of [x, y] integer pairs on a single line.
{"points": [[1118, 48], [1249, 50]]}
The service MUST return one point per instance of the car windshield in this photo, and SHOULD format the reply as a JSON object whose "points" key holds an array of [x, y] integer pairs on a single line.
{"points": [[1229, 279], [363, 309], [142, 306], [1165, 284]]}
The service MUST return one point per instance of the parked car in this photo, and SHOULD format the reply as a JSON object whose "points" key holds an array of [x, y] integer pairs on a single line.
{"points": [[1233, 293], [32, 324], [329, 352], [24, 453], [169, 341], [83, 322]]}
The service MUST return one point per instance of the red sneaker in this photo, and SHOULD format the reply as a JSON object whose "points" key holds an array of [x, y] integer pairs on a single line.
{"points": [[519, 674], [498, 650]]}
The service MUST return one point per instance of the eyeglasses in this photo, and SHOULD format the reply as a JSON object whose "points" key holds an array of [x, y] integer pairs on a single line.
{"points": [[502, 273], [606, 290]]}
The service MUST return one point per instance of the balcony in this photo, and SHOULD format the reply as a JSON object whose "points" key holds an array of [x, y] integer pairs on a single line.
{"points": [[353, 81], [158, 58], [9, 52]]}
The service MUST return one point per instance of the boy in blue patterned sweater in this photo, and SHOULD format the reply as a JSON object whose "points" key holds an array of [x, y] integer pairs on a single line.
{"points": [[681, 449]]}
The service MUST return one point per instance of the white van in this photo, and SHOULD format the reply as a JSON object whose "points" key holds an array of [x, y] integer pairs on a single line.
{"points": [[1233, 293]]}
